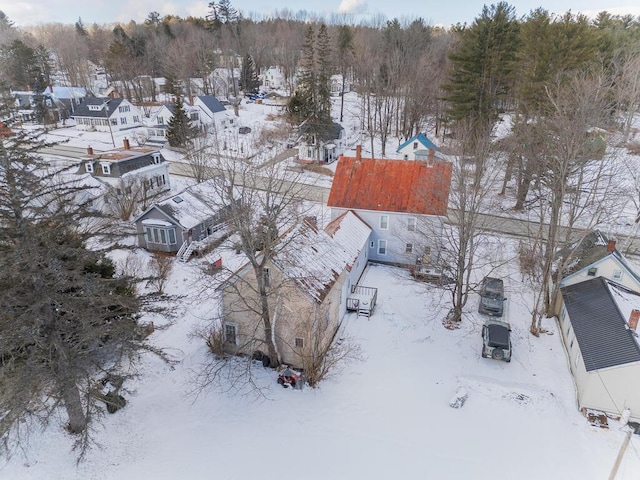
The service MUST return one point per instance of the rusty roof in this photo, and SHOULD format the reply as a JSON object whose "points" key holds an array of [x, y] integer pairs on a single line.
{"points": [[404, 186]]}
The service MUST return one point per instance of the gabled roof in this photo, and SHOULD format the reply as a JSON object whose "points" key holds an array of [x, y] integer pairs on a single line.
{"points": [[331, 131], [211, 103], [421, 138], [313, 259], [190, 207], [402, 186], [75, 93], [598, 310], [350, 232], [592, 248], [82, 110]]}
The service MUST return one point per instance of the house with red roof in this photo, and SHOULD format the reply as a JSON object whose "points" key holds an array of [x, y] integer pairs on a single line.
{"points": [[403, 201]]}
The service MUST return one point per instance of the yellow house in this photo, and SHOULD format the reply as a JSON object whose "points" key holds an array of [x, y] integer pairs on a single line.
{"points": [[306, 281]]}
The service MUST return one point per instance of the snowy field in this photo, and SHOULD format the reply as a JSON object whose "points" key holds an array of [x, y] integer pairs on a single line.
{"points": [[386, 416]]}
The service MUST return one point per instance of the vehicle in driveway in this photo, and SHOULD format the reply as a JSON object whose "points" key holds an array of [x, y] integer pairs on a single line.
{"points": [[496, 340], [491, 297]]}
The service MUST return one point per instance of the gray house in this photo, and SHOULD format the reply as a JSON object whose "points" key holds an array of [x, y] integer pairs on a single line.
{"points": [[183, 222], [120, 167]]}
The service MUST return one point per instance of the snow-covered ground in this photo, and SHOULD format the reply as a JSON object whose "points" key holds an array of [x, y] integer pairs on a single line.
{"points": [[386, 416]]}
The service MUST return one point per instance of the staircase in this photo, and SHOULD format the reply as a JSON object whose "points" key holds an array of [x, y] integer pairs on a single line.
{"points": [[187, 252]]}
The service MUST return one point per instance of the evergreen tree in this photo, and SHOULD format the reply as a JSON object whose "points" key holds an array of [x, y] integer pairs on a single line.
{"points": [[179, 130], [67, 318], [302, 104], [248, 76], [345, 55], [481, 74], [324, 69]]}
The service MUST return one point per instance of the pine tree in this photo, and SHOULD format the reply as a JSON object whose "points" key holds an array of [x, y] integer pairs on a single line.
{"points": [[324, 68], [67, 318], [248, 76], [179, 130], [482, 66]]}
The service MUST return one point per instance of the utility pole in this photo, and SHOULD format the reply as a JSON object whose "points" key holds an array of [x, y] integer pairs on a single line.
{"points": [[106, 114], [623, 449]]}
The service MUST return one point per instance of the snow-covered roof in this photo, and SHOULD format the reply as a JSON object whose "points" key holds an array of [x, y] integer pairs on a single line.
{"points": [[193, 205], [66, 92], [350, 232], [313, 259]]}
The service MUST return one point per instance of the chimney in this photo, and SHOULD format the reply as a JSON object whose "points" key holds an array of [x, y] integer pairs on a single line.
{"points": [[432, 154], [312, 221], [359, 152], [127, 146], [89, 150], [633, 319], [50, 88], [611, 246]]}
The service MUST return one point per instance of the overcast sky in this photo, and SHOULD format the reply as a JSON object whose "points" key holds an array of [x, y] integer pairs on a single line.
{"points": [[30, 12]]}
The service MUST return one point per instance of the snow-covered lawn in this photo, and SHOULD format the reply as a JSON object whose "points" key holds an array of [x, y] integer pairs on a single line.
{"points": [[384, 417]]}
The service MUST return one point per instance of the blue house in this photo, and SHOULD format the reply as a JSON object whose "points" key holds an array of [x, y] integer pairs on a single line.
{"points": [[416, 148]]}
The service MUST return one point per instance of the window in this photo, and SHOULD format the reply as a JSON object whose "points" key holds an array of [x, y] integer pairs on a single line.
{"points": [[617, 274], [592, 272], [163, 236], [88, 167], [384, 222], [114, 122], [408, 248], [382, 247], [149, 235], [299, 342], [156, 236], [136, 118], [123, 120], [160, 120], [172, 236], [230, 334], [415, 145], [266, 277], [156, 158], [106, 169], [411, 224], [124, 108]]}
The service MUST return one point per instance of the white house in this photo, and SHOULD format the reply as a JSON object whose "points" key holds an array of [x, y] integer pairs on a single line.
{"points": [[403, 201], [599, 322], [418, 147], [107, 114], [272, 79]]}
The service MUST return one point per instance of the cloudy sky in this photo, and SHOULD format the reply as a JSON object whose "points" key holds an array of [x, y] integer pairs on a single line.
{"points": [[30, 12]]}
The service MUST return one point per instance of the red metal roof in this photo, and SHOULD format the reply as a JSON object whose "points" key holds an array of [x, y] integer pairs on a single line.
{"points": [[408, 186]]}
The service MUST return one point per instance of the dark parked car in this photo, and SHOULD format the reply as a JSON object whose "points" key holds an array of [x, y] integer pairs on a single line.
{"points": [[244, 130], [492, 297], [496, 340]]}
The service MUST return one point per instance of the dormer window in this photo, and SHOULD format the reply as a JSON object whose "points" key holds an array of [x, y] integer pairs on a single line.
{"points": [[88, 167], [106, 169], [156, 158], [95, 108]]}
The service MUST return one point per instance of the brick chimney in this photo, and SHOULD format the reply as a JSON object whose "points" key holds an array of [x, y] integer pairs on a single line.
{"points": [[633, 319], [359, 152], [611, 246], [127, 146], [432, 154], [89, 150]]}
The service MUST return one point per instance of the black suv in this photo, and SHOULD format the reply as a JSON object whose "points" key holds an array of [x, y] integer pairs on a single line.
{"points": [[496, 340], [491, 297]]}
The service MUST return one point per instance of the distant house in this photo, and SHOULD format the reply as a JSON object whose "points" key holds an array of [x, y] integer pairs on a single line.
{"points": [[121, 166], [312, 271], [205, 112], [418, 147], [337, 85], [599, 323], [403, 201], [105, 114], [324, 147], [272, 79], [67, 97], [182, 220]]}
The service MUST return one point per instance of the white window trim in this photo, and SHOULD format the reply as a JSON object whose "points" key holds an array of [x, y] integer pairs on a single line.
{"points": [[412, 224], [382, 242], [88, 167], [381, 218], [106, 169]]}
